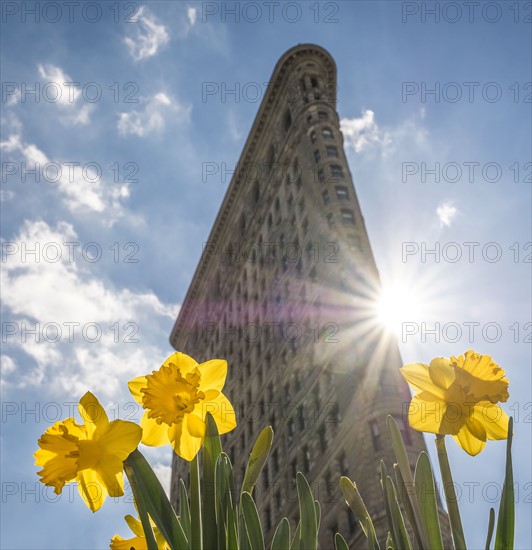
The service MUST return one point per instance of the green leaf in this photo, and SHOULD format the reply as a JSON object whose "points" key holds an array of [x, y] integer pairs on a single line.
{"points": [[257, 459], [307, 512], [252, 521], [355, 502], [450, 495], [426, 497], [404, 500], [317, 507], [281, 538], [296, 541], [151, 543], [491, 525], [196, 535], [339, 542], [401, 539], [184, 508], [403, 464], [157, 504], [226, 510], [211, 451], [387, 505], [504, 537]]}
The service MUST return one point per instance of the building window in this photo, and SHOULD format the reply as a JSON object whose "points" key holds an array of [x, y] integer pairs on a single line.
{"points": [[309, 120], [301, 417], [330, 220], [321, 175], [297, 379], [317, 156], [268, 516], [405, 432], [306, 459], [278, 501], [322, 431], [275, 461], [342, 193], [337, 171], [326, 133], [322, 115], [326, 197], [293, 468], [375, 434], [352, 522], [329, 485], [287, 121], [313, 137], [290, 427], [313, 274], [333, 529], [332, 151], [256, 193], [348, 218], [342, 464]]}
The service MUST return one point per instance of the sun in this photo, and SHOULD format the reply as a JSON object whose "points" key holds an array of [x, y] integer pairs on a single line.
{"points": [[397, 305]]}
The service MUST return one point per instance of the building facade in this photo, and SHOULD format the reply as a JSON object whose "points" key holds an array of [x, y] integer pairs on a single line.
{"points": [[285, 291]]}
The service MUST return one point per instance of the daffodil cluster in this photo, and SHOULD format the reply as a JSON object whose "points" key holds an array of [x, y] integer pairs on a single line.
{"points": [[177, 398]]}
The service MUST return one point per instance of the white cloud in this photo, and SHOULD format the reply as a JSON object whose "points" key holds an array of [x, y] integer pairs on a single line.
{"points": [[361, 133], [446, 213], [81, 186], [148, 35], [153, 118], [89, 335], [164, 473], [6, 195], [192, 14], [364, 135], [62, 91]]}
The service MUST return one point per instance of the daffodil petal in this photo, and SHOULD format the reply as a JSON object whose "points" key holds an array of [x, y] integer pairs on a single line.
{"points": [[137, 543], [468, 440], [213, 374], [93, 414], [441, 372], [135, 525], [426, 413], [57, 453], [185, 444], [482, 377], [135, 386], [90, 489], [109, 472], [153, 434], [223, 413], [121, 438], [196, 426], [182, 361], [494, 419], [417, 375]]}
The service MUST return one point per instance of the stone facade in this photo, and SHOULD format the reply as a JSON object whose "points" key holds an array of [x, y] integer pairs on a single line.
{"points": [[284, 291]]}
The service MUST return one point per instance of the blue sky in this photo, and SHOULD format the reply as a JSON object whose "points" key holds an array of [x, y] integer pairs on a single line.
{"points": [[120, 159]]}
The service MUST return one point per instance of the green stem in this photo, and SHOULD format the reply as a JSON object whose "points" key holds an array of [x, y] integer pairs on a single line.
{"points": [[153, 497], [450, 494], [195, 506], [141, 507]]}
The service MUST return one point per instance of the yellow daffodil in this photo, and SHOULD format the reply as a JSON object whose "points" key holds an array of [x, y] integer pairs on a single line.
{"points": [[91, 453], [177, 397], [138, 542], [459, 396]]}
